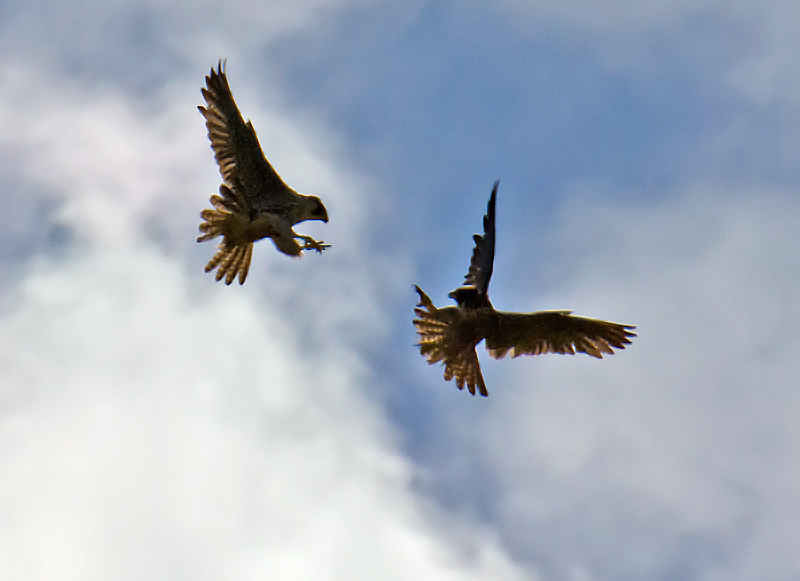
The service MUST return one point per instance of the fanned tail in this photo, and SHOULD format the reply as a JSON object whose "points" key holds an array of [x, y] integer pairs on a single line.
{"points": [[434, 329], [230, 260]]}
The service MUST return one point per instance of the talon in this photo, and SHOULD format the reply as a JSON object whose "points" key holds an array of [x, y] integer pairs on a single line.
{"points": [[311, 244]]}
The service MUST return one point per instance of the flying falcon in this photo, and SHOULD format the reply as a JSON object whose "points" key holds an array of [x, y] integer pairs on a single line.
{"points": [[450, 334], [254, 201]]}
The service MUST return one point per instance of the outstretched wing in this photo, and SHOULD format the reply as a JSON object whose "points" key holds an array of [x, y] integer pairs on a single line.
{"points": [[554, 332], [236, 148], [449, 335], [482, 263], [474, 292]]}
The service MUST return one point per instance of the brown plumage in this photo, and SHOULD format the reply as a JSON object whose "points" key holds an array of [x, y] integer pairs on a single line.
{"points": [[450, 334], [254, 201]]}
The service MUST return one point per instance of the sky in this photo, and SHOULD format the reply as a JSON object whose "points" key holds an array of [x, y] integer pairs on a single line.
{"points": [[155, 424]]}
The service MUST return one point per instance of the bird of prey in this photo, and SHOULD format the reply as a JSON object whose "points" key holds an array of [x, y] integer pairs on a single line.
{"points": [[254, 201], [450, 334]]}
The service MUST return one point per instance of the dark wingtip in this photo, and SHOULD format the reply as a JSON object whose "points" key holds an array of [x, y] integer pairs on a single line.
{"points": [[220, 70]]}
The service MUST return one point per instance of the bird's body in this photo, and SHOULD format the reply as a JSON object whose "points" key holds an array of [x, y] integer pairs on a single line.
{"points": [[450, 334], [254, 201]]}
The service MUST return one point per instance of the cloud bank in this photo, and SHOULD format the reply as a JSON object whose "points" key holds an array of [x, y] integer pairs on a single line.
{"points": [[156, 424]]}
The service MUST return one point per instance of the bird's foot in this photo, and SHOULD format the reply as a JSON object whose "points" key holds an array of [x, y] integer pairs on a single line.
{"points": [[311, 244]]}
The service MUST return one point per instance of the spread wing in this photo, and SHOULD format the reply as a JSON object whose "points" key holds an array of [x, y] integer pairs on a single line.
{"points": [[237, 151], [474, 291], [482, 263], [554, 332], [449, 335]]}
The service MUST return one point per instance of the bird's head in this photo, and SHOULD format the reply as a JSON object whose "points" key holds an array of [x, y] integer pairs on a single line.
{"points": [[468, 297], [314, 209]]}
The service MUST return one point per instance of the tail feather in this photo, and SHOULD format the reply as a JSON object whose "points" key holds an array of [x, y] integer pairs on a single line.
{"points": [[466, 370], [435, 331], [244, 267], [229, 260], [226, 262]]}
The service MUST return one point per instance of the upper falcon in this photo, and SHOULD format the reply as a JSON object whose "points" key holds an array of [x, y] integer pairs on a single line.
{"points": [[450, 334], [254, 201]]}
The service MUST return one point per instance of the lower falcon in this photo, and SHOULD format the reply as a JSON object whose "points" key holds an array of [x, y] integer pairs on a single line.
{"points": [[450, 334]]}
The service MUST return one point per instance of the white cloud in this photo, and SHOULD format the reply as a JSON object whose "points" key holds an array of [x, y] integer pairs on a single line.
{"points": [[73, 33], [157, 424]]}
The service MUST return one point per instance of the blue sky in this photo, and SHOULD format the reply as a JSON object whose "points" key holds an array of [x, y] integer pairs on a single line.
{"points": [[156, 424]]}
